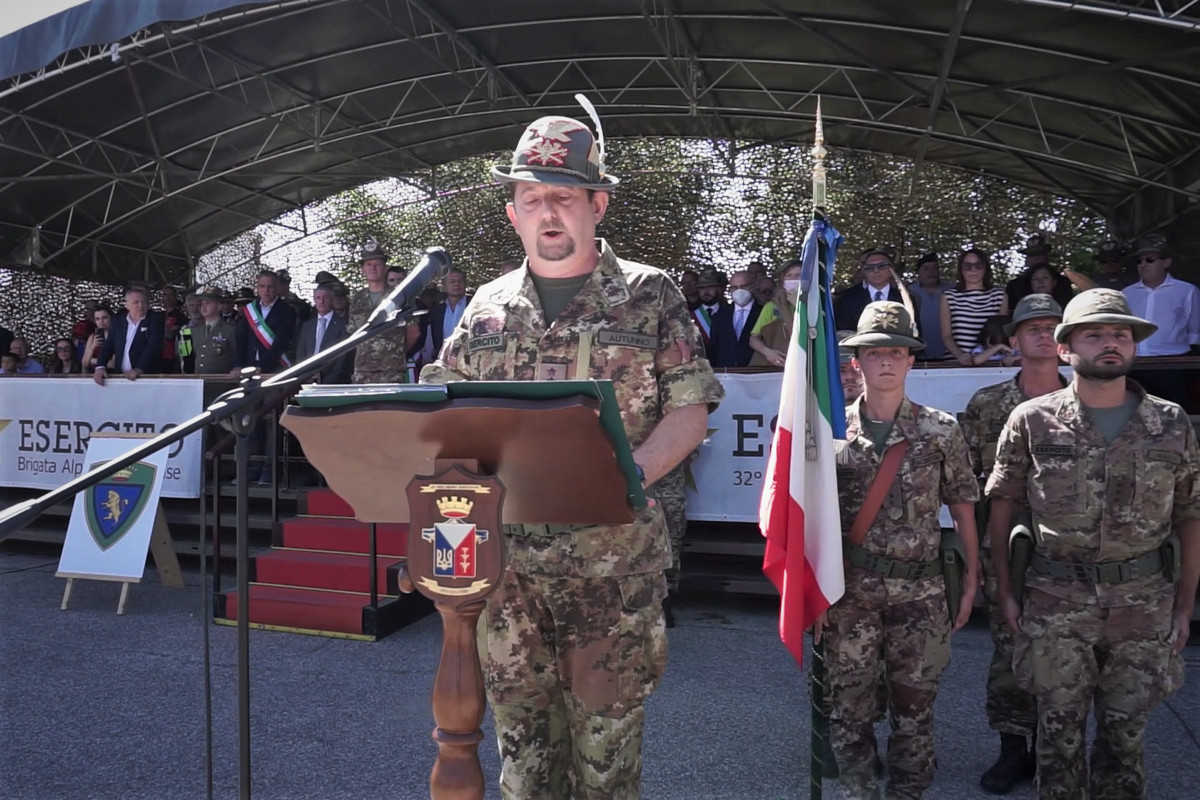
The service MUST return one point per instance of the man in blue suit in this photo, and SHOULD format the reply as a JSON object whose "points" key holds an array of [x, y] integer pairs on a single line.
{"points": [[729, 342], [322, 331], [136, 339]]}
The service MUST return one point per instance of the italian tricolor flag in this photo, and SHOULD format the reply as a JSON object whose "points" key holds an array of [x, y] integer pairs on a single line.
{"points": [[799, 508]]}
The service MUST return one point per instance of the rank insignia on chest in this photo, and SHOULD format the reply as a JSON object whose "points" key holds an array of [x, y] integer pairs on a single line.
{"points": [[454, 540], [553, 371]]}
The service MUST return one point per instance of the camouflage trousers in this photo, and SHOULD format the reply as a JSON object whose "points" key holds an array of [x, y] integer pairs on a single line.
{"points": [[1071, 655], [567, 664], [913, 640], [1010, 709], [396, 375], [671, 492]]}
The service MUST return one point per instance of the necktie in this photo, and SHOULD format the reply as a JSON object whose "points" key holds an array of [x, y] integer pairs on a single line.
{"points": [[739, 322], [321, 323], [878, 295]]}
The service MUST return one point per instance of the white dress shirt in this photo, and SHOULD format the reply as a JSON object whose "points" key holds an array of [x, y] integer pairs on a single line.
{"points": [[131, 327], [1174, 306]]}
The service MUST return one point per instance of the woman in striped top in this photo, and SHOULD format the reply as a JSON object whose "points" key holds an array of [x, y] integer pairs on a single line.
{"points": [[967, 306]]}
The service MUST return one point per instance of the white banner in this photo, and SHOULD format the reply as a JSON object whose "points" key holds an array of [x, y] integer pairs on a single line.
{"points": [[45, 424], [729, 471]]}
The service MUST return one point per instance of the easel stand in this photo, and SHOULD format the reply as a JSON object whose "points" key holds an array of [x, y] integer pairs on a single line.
{"points": [[166, 564]]}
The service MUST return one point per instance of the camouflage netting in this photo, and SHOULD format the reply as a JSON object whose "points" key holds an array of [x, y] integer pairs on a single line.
{"points": [[681, 203]]}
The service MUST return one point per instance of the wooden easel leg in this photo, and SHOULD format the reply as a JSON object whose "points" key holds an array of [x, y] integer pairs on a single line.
{"points": [[163, 550], [66, 594], [458, 704], [124, 597]]}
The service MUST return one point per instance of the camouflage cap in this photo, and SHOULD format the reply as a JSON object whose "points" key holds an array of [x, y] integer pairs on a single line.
{"points": [[371, 249], [844, 353], [1154, 243], [210, 292], [1033, 306], [557, 150], [709, 277], [1036, 245], [884, 324], [1101, 307], [1109, 250]]}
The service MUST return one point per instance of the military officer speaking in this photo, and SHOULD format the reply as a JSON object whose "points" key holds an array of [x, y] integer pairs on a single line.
{"points": [[899, 463], [1110, 474], [1010, 709], [573, 639]]}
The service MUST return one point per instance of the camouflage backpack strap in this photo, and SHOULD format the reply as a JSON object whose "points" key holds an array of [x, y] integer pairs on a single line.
{"points": [[869, 510]]}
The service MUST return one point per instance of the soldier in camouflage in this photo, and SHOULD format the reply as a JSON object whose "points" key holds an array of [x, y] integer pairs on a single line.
{"points": [[1010, 709], [211, 339], [380, 359], [1110, 473], [895, 606], [573, 639]]}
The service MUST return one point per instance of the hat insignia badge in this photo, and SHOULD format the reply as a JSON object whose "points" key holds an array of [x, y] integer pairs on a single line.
{"points": [[548, 150]]}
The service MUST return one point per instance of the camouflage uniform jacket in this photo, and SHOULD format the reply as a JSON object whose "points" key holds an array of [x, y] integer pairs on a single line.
{"points": [[384, 353], [984, 418], [212, 347], [628, 323], [1093, 502], [936, 469]]}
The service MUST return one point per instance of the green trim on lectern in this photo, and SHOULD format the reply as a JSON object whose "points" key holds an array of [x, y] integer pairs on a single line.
{"points": [[332, 396]]}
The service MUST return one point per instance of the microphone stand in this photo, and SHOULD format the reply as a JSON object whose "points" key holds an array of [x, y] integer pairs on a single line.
{"points": [[238, 410]]}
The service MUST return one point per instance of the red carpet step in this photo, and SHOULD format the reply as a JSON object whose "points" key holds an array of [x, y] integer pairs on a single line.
{"points": [[341, 535], [316, 577], [319, 570]]}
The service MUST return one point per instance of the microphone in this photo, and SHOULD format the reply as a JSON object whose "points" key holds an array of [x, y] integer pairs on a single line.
{"points": [[432, 267]]}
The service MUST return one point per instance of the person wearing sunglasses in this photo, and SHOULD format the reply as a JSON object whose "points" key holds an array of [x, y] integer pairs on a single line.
{"points": [[878, 283], [972, 302], [1171, 304]]}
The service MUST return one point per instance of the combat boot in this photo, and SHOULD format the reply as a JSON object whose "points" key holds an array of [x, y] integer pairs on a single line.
{"points": [[1015, 764]]}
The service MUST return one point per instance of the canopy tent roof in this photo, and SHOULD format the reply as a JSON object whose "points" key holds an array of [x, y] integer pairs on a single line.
{"points": [[132, 143]]}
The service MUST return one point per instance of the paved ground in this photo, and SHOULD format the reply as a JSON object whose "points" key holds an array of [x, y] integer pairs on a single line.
{"points": [[95, 706]]}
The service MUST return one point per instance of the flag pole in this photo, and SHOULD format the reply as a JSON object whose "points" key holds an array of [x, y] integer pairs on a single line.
{"points": [[820, 720]]}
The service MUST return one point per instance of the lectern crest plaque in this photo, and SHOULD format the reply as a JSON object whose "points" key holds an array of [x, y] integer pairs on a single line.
{"points": [[455, 542]]}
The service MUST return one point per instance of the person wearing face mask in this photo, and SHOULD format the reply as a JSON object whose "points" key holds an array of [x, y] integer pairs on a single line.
{"points": [[773, 330], [732, 325]]}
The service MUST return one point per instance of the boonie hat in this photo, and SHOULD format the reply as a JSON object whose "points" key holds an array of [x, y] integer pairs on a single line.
{"points": [[1101, 307], [1033, 306], [1151, 243], [884, 323], [560, 150]]}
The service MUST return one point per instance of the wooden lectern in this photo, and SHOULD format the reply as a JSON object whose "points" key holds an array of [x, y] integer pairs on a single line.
{"points": [[472, 455]]}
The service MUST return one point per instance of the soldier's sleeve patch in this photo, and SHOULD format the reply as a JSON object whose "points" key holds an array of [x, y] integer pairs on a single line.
{"points": [[1169, 456], [642, 341], [490, 341]]}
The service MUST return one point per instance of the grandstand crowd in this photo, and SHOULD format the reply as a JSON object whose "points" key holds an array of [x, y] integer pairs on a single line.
{"points": [[958, 306]]}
